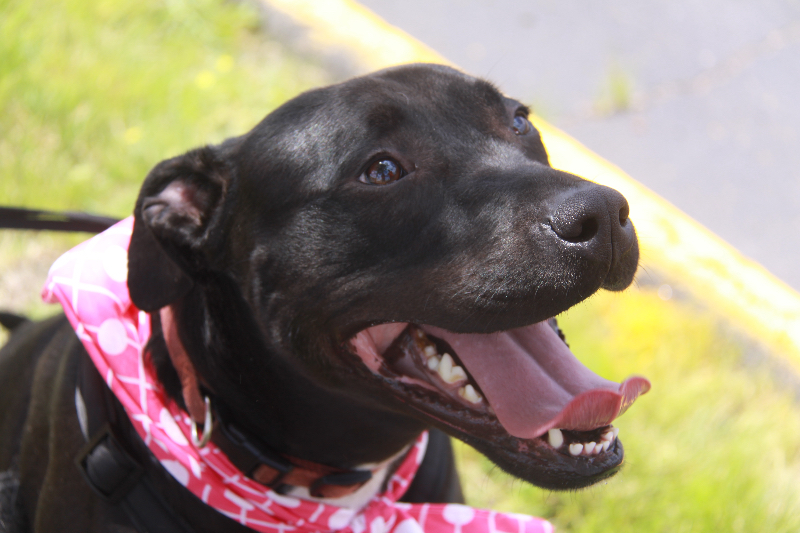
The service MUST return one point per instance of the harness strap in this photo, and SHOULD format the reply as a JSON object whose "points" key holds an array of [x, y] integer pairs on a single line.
{"points": [[109, 470]]}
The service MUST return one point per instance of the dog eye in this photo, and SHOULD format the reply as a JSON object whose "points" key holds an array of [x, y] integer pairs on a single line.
{"points": [[521, 125], [383, 172]]}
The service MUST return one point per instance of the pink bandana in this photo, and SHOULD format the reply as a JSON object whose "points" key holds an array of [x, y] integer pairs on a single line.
{"points": [[89, 282]]}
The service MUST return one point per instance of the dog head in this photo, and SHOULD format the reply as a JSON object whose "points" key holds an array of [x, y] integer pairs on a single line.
{"points": [[387, 254]]}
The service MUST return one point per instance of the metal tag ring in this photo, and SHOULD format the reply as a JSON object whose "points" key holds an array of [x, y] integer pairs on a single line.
{"points": [[208, 424]]}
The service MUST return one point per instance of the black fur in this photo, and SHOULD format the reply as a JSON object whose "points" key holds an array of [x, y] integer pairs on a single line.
{"points": [[11, 519], [273, 250]]}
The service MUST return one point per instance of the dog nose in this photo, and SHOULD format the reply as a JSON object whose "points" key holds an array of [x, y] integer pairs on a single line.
{"points": [[593, 216]]}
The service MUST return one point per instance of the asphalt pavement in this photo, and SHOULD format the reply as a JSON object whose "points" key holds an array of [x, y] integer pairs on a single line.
{"points": [[699, 101]]}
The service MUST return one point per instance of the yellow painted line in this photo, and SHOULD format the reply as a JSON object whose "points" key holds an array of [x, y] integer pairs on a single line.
{"points": [[672, 243], [681, 249], [351, 27]]}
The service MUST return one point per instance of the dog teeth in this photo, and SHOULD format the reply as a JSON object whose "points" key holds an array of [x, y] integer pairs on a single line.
{"points": [[469, 393], [555, 438], [445, 366], [449, 371], [457, 374]]}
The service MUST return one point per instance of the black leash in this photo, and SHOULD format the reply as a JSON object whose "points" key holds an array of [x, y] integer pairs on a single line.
{"points": [[19, 218], [36, 219]]}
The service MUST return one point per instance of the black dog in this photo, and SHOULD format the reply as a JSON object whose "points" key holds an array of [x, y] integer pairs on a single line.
{"points": [[316, 269]]}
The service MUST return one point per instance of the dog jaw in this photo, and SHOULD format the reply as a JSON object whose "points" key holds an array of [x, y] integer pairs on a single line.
{"points": [[523, 387]]}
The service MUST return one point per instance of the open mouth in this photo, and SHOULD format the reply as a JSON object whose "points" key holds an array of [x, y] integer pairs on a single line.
{"points": [[523, 383]]}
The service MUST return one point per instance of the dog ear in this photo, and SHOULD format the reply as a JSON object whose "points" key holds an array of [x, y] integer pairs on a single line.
{"points": [[176, 215]]}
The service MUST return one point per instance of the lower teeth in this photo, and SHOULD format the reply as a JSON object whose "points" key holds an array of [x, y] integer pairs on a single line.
{"points": [[555, 437], [469, 393]]}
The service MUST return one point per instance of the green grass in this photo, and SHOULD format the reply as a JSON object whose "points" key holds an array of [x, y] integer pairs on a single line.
{"points": [[94, 93], [715, 445]]}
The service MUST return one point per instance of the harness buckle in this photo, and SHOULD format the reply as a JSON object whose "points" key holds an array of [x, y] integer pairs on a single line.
{"points": [[107, 467]]}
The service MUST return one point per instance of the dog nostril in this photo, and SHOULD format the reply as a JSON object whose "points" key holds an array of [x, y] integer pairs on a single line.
{"points": [[588, 212], [624, 212], [582, 232]]}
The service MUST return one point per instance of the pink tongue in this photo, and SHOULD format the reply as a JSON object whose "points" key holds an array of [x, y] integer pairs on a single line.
{"points": [[534, 383]]}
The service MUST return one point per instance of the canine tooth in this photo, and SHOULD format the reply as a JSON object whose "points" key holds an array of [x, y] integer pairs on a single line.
{"points": [[608, 436], [433, 363], [445, 366], [429, 351], [555, 438], [449, 371], [615, 431], [575, 448], [589, 447], [469, 393], [605, 445]]}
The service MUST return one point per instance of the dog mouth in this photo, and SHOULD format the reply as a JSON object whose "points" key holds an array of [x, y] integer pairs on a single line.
{"points": [[524, 383]]}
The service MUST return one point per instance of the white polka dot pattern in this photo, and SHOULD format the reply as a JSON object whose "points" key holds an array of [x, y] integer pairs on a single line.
{"points": [[89, 282], [112, 337], [458, 515], [340, 519], [115, 262], [177, 470]]}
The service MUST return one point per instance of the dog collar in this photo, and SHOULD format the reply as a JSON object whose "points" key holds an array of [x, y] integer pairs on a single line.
{"points": [[246, 452], [89, 282]]}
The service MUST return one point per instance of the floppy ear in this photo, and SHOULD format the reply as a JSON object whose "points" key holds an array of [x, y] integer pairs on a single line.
{"points": [[178, 211]]}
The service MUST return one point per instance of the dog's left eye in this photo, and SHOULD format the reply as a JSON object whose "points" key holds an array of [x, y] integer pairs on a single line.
{"points": [[383, 172], [521, 125]]}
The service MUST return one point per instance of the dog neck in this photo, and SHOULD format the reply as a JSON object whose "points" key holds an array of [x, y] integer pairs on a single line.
{"points": [[351, 488], [267, 388]]}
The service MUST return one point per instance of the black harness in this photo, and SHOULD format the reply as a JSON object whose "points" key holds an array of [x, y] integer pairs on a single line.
{"points": [[114, 475]]}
